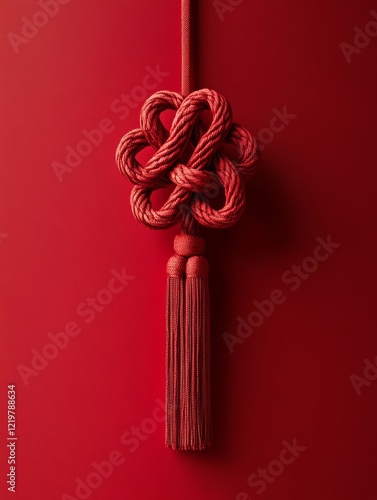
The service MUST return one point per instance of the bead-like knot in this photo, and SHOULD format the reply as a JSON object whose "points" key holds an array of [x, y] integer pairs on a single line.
{"points": [[208, 166]]}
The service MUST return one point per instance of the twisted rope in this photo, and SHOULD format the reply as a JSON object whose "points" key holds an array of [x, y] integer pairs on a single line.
{"points": [[186, 46]]}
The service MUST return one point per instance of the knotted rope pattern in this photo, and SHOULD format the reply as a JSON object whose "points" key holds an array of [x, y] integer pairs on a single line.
{"points": [[192, 159], [207, 166]]}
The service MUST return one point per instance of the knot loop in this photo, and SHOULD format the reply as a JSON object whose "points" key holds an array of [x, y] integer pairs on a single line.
{"points": [[207, 166]]}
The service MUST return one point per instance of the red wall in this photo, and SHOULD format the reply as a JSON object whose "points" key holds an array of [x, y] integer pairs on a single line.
{"points": [[304, 376]]}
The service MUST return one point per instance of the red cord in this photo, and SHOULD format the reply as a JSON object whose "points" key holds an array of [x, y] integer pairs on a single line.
{"points": [[186, 33]]}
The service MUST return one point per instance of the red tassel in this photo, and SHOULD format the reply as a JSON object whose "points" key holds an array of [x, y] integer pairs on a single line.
{"points": [[195, 401], [175, 326], [188, 409]]}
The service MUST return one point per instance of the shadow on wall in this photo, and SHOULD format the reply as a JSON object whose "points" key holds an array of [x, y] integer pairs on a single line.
{"points": [[267, 228]]}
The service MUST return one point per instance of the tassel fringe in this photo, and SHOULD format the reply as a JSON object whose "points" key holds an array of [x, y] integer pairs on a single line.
{"points": [[188, 409], [174, 325]]}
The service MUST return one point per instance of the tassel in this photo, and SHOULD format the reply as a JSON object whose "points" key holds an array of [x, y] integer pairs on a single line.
{"points": [[188, 411], [175, 326], [195, 402]]}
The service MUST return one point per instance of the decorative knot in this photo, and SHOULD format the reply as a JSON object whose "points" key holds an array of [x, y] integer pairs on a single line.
{"points": [[208, 165]]}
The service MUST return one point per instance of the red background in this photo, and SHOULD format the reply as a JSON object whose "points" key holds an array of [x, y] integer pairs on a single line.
{"points": [[61, 240]]}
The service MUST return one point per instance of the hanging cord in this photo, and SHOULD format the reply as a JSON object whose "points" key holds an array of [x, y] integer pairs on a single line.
{"points": [[186, 47]]}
